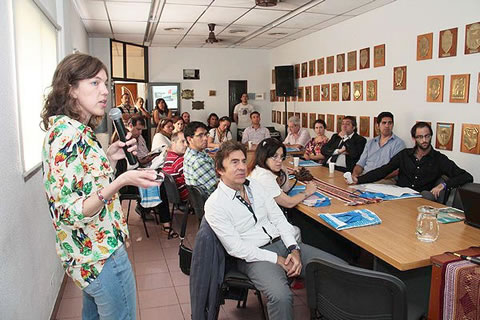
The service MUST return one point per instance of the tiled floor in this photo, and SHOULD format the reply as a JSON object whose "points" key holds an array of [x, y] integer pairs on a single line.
{"points": [[162, 289]]}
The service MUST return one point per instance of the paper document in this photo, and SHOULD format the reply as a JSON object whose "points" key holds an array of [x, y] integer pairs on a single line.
{"points": [[385, 189]]}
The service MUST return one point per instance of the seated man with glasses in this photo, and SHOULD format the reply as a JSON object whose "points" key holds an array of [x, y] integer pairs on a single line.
{"points": [[198, 166], [421, 167]]}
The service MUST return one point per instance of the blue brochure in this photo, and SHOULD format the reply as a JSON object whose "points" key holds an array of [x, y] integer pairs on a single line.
{"points": [[351, 219], [290, 149], [315, 200]]}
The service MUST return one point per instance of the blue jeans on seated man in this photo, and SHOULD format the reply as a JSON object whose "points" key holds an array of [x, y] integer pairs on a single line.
{"points": [[112, 295], [272, 280]]}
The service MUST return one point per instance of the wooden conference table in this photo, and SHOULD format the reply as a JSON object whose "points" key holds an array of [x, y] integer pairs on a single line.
{"points": [[394, 240]]}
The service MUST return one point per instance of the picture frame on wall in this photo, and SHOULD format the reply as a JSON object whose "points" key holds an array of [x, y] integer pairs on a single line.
{"points": [[358, 91], [459, 85], [321, 116], [308, 93], [472, 38], [279, 117], [424, 46], [400, 78], [304, 120], [325, 92], [341, 62], [371, 90], [435, 88], [478, 88], [334, 93], [379, 56], [339, 122], [364, 129], [352, 61], [297, 71], [311, 68], [304, 69], [274, 116], [316, 93], [330, 122], [444, 137], [365, 58], [312, 118], [300, 94], [346, 91], [320, 66], [448, 43], [191, 74], [469, 141], [330, 64], [273, 76]]}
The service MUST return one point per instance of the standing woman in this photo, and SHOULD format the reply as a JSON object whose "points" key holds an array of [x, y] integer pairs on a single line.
{"points": [[314, 146], [163, 134], [160, 111], [220, 134], [81, 190], [178, 124]]}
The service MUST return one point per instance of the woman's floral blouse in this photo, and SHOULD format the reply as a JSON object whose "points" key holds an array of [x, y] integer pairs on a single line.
{"points": [[74, 168]]}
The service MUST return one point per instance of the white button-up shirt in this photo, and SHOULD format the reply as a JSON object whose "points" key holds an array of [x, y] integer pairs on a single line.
{"points": [[302, 137], [255, 135], [235, 225]]}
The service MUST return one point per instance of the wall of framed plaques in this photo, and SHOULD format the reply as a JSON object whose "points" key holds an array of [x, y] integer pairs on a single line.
{"points": [[424, 68]]}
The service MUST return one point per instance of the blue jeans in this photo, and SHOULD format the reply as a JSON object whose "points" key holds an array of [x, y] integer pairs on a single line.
{"points": [[112, 295]]}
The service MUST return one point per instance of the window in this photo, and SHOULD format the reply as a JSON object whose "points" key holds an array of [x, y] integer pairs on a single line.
{"points": [[129, 61], [36, 60]]}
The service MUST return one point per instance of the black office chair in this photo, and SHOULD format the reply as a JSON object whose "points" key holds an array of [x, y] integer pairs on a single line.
{"points": [[173, 195], [336, 291], [197, 198]]}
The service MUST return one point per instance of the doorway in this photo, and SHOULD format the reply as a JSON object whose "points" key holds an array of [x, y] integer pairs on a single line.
{"points": [[235, 90]]}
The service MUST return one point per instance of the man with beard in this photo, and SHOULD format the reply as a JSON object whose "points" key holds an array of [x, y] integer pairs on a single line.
{"points": [[421, 167]]}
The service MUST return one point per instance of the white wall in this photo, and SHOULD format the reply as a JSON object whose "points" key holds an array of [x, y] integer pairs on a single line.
{"points": [[397, 25], [31, 272], [217, 67]]}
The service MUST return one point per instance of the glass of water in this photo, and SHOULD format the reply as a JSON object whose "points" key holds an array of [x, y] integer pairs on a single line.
{"points": [[427, 224]]}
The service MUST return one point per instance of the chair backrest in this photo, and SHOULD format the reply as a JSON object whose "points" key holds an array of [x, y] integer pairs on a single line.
{"points": [[172, 190], [345, 292], [197, 198]]}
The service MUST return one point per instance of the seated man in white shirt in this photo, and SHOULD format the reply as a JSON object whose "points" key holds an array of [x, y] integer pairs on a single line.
{"points": [[255, 132], [252, 228], [297, 137]]}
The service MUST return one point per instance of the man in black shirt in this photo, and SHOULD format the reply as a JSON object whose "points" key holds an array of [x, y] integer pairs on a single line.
{"points": [[421, 167]]}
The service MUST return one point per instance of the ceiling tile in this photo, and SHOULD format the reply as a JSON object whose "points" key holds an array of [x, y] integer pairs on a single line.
{"points": [[129, 27], [234, 3], [302, 33], [238, 30], [131, 1], [194, 2], [331, 22], [260, 17], [370, 6], [184, 26], [97, 26], [194, 39], [338, 7], [305, 20], [256, 42], [124, 11], [166, 39], [181, 13], [221, 15], [88, 9], [135, 38], [100, 35], [278, 33], [288, 5], [279, 42]]}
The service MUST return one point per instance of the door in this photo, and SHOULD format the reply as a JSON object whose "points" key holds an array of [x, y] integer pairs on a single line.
{"points": [[235, 90], [121, 88]]}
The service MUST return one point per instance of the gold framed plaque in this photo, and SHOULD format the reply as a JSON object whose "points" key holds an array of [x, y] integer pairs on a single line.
{"points": [[424, 46], [376, 128], [320, 66], [273, 76], [444, 140], [297, 71], [472, 38], [312, 118], [346, 91], [279, 117], [300, 94], [352, 60], [297, 114], [325, 92], [311, 68], [272, 95], [288, 98], [469, 140], [365, 58], [364, 129], [316, 93], [379, 56], [274, 116], [330, 122], [478, 88], [435, 88], [339, 122], [281, 99], [371, 90], [459, 84], [304, 120], [330, 64], [284, 117], [358, 91], [321, 116], [448, 43], [400, 78], [341, 62], [304, 69], [335, 92], [308, 93], [290, 114]]}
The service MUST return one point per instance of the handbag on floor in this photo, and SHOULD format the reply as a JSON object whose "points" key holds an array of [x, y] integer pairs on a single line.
{"points": [[184, 252]]}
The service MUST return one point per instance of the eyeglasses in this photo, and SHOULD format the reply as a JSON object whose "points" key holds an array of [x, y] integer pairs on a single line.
{"points": [[278, 157], [201, 135], [426, 137]]}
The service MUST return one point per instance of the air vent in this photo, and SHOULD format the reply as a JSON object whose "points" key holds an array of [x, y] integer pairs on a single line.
{"points": [[266, 3], [235, 31], [277, 33], [173, 29]]}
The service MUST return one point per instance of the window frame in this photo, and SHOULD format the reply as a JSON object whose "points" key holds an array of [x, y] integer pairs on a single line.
{"points": [[125, 78]]}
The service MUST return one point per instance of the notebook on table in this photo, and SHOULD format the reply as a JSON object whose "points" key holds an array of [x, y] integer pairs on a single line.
{"points": [[351, 219]]}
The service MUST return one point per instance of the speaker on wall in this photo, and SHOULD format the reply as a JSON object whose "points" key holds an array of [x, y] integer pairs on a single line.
{"points": [[284, 81]]}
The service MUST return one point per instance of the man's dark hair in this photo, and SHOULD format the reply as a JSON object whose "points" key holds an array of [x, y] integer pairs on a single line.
{"points": [[384, 114], [136, 119], [418, 125], [254, 112], [266, 149], [225, 149], [321, 121], [192, 127], [125, 94], [353, 120]]}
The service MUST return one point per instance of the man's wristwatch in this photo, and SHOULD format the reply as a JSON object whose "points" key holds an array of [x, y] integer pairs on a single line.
{"points": [[293, 247]]}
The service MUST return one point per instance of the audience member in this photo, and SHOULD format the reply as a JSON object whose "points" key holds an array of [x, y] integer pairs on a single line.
{"points": [[313, 149], [139, 105], [219, 135], [252, 228], [163, 133], [186, 117], [178, 124], [242, 111], [255, 133], [297, 137], [135, 125], [174, 162], [345, 148], [380, 149], [126, 108], [160, 111], [212, 121], [267, 168], [199, 168], [421, 167]]}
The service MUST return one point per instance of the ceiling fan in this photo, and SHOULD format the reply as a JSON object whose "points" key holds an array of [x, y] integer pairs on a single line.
{"points": [[211, 36]]}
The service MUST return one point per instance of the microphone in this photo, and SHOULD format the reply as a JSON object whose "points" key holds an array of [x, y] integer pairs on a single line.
{"points": [[116, 115]]}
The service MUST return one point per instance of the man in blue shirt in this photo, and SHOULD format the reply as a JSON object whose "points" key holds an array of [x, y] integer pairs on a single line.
{"points": [[198, 166], [380, 149]]}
